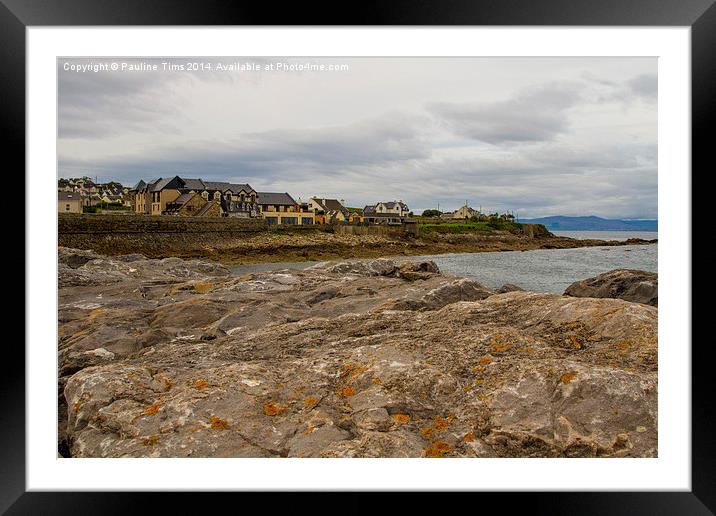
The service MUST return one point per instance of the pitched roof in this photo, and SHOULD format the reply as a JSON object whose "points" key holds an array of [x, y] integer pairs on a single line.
{"points": [[275, 198], [369, 209], [160, 184], [184, 198], [223, 186], [330, 205], [202, 211], [68, 196], [393, 204], [193, 184]]}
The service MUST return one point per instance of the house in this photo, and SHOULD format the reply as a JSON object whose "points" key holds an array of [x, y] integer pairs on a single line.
{"points": [[194, 205], [398, 208], [465, 213], [281, 208], [386, 213], [328, 211], [153, 198], [69, 202], [355, 217]]}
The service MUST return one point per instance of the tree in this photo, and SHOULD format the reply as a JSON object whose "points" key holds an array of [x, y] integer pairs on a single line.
{"points": [[431, 213]]}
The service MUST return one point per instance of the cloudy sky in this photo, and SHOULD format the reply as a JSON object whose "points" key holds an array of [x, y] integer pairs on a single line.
{"points": [[538, 136]]}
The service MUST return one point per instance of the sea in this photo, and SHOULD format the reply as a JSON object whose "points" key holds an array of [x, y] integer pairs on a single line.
{"points": [[541, 270]]}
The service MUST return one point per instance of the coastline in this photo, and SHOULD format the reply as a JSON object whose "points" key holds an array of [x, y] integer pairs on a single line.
{"points": [[317, 245]]}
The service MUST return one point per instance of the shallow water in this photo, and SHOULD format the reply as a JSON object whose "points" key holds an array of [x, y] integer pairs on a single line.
{"points": [[542, 270]]}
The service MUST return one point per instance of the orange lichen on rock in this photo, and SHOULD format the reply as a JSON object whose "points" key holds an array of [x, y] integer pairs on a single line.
{"points": [[347, 391], [624, 345], [438, 449], [271, 409], [375, 381], [568, 377], [401, 419], [153, 408], [485, 360], [77, 406], [203, 287], [150, 441], [218, 424], [499, 347], [429, 361], [310, 401], [479, 381], [469, 437], [428, 433], [575, 342], [200, 384], [441, 423]]}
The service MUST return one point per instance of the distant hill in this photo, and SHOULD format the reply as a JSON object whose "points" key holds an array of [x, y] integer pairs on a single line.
{"points": [[592, 223]]}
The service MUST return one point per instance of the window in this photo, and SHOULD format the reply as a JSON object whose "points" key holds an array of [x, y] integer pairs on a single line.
{"points": [[67, 207]]}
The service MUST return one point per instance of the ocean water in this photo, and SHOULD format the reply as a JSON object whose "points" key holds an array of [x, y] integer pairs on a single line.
{"points": [[542, 270], [545, 270], [608, 235]]}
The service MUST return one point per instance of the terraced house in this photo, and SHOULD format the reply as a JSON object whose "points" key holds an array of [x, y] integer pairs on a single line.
{"points": [[176, 196]]}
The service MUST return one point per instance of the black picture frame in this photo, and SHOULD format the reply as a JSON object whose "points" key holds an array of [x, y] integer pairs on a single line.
{"points": [[17, 15]]}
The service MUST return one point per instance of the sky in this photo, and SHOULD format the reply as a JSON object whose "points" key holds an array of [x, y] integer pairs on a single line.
{"points": [[535, 136]]}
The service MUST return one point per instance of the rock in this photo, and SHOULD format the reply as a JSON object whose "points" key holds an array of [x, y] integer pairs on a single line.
{"points": [[379, 267], [412, 271], [373, 419], [177, 359], [509, 287], [462, 289], [630, 285]]}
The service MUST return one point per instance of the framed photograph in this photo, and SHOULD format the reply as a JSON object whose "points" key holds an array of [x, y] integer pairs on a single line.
{"points": [[319, 254]]}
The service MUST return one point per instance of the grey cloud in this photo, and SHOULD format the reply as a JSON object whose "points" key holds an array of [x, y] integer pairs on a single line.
{"points": [[279, 153], [536, 115], [645, 85]]}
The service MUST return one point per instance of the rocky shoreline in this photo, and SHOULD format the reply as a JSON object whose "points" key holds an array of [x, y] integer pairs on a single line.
{"points": [[373, 358], [298, 246]]}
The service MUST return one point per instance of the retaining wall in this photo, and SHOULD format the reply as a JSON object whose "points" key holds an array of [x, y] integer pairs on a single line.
{"points": [[151, 235]]}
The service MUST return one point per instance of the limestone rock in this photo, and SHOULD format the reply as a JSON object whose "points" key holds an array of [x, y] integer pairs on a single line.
{"points": [[628, 284], [177, 358]]}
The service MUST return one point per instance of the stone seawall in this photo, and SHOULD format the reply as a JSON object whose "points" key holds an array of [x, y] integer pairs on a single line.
{"points": [[150, 235]]}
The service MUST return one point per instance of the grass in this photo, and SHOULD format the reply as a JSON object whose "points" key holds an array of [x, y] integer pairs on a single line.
{"points": [[469, 227]]}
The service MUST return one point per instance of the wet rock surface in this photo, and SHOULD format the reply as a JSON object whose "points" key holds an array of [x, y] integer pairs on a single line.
{"points": [[173, 358], [628, 284]]}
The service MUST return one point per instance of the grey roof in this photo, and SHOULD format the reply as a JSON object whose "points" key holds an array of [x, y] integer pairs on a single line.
{"points": [[184, 198], [202, 211], [193, 184], [275, 198], [68, 196], [223, 186], [160, 184], [369, 209], [330, 205], [392, 204]]}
